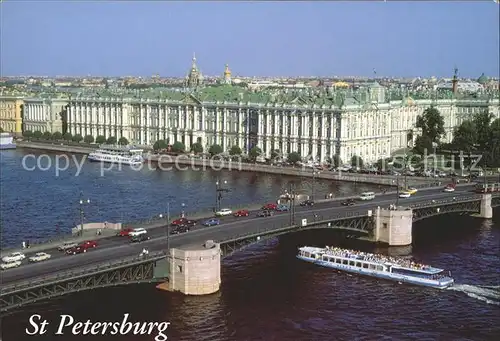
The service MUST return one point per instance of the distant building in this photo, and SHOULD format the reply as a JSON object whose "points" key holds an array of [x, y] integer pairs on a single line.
{"points": [[194, 78], [227, 75], [44, 114], [11, 114]]}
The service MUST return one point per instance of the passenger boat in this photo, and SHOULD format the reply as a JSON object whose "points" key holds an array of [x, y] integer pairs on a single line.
{"points": [[6, 141], [117, 154], [375, 265]]}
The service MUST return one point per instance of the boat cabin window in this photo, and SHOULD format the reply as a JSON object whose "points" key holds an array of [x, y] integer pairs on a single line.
{"points": [[409, 272], [351, 263], [345, 262], [338, 261], [358, 264], [365, 265]]}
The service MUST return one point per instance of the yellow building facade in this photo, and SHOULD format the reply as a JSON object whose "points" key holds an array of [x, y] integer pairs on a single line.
{"points": [[11, 120]]}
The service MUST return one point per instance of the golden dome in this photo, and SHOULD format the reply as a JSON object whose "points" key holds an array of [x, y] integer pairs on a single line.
{"points": [[227, 72]]}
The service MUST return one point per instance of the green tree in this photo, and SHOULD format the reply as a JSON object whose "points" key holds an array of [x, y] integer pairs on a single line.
{"points": [[336, 160], [77, 138], [357, 161], [1, 130], [482, 124], [465, 136], [100, 139], [235, 150], [254, 153], [215, 149], [197, 148], [88, 139], [111, 140], [275, 153], [68, 137], [423, 143], [431, 123], [27, 133], [293, 158], [493, 155], [178, 147], [123, 141], [37, 134], [159, 145], [47, 135], [57, 136], [382, 164]]}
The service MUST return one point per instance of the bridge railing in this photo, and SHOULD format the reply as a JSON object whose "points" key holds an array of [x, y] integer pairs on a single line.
{"points": [[81, 272]]}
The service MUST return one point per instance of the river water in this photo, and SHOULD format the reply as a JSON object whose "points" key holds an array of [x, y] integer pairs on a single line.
{"points": [[266, 293]]}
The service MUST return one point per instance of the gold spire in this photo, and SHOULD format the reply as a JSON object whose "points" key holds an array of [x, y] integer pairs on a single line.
{"points": [[227, 72]]}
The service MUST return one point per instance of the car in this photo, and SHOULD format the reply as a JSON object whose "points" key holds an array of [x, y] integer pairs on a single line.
{"points": [[125, 232], [66, 246], [224, 212], [449, 188], [307, 202], [39, 257], [88, 244], [183, 221], [349, 202], [270, 206], [14, 257], [265, 213], [139, 238], [10, 265], [180, 229], [75, 250], [404, 194], [136, 232], [411, 190], [241, 213], [283, 208], [211, 222]]}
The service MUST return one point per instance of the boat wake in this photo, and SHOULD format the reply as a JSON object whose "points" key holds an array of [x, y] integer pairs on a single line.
{"points": [[486, 293]]}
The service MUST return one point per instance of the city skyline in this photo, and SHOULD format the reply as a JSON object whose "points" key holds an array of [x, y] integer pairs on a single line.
{"points": [[317, 39]]}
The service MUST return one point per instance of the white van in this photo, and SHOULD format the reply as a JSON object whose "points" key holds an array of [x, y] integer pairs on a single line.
{"points": [[367, 196], [136, 232]]}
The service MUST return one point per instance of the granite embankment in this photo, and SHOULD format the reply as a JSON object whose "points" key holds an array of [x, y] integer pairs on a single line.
{"points": [[56, 147]]}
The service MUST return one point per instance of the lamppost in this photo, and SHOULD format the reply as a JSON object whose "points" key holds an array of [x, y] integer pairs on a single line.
{"points": [[218, 193], [397, 189], [315, 172], [434, 146], [82, 202], [182, 211], [291, 200], [167, 228]]}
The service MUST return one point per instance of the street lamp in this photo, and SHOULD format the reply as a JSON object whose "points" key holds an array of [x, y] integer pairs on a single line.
{"points": [[315, 172], [82, 202], [182, 211], [434, 146], [397, 189], [167, 227], [218, 193]]}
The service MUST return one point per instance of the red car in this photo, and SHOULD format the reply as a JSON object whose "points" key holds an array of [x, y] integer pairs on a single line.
{"points": [[125, 232], [241, 213], [88, 244], [270, 207], [183, 221]]}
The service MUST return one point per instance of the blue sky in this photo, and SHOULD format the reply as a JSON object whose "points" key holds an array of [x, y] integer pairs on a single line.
{"points": [[261, 38]]}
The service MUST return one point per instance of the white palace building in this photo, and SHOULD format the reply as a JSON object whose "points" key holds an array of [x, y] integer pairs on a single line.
{"points": [[370, 122]]}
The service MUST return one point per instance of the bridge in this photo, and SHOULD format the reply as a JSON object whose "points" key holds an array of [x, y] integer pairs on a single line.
{"points": [[192, 265]]}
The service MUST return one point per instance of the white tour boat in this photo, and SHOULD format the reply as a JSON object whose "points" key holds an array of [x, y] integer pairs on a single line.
{"points": [[6, 141], [118, 154], [396, 269]]}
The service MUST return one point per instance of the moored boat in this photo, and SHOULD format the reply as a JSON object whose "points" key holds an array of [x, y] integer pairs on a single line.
{"points": [[375, 265], [6, 141], [126, 155]]}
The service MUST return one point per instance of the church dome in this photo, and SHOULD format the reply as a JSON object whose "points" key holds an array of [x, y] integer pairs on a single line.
{"points": [[482, 79]]}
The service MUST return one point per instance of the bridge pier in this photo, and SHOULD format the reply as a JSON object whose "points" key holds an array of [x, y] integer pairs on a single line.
{"points": [[393, 226], [486, 211], [194, 270]]}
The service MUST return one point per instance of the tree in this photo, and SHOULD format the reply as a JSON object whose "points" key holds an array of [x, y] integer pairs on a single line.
{"points": [[123, 141], [197, 148], [178, 147], [159, 145], [275, 153], [215, 149], [235, 150], [100, 139], [482, 124], [493, 155], [27, 133], [68, 137], [47, 135], [111, 140], [357, 161], [1, 130], [254, 153], [37, 134], [432, 124], [88, 139], [57, 136], [336, 160], [465, 136], [382, 164], [77, 138], [422, 144], [293, 158]]}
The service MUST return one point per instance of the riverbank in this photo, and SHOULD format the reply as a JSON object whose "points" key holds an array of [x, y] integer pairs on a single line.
{"points": [[56, 147]]}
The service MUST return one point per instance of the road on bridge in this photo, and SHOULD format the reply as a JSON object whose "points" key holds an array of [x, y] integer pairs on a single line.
{"points": [[115, 248]]}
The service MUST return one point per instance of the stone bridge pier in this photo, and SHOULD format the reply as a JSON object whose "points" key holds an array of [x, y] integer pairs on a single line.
{"points": [[394, 225]]}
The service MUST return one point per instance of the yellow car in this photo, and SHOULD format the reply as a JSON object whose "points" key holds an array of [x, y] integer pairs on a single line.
{"points": [[412, 190]]}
